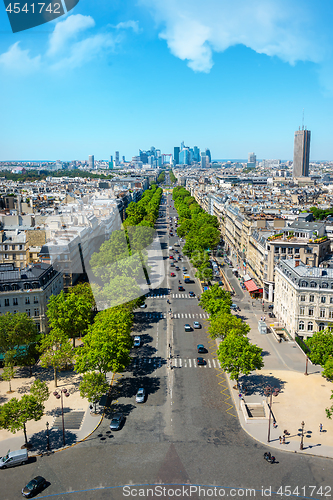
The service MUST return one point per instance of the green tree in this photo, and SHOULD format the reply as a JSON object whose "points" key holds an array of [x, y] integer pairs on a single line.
{"points": [[321, 346], [93, 386], [328, 368], [84, 290], [15, 414], [237, 355], [215, 299], [108, 342], [70, 313], [40, 391], [16, 330], [56, 351], [8, 374], [224, 324]]}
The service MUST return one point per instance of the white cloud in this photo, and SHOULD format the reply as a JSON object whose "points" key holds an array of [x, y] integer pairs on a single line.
{"points": [[194, 29], [19, 61], [68, 29], [84, 51], [134, 25]]}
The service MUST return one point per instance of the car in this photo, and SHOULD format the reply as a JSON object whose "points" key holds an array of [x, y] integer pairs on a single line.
{"points": [[201, 348], [181, 289], [36, 484], [172, 264], [137, 341], [171, 257], [196, 324], [143, 306], [201, 361], [191, 294], [172, 275], [271, 306], [184, 269], [221, 283], [271, 315], [116, 422], [187, 328], [140, 396], [234, 307]]}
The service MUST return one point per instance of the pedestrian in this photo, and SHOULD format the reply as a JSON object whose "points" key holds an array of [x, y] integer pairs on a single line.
{"points": [[320, 427], [280, 439], [284, 440], [264, 318], [261, 318]]}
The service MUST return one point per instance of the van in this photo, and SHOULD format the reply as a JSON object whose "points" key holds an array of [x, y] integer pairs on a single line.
{"points": [[14, 458]]}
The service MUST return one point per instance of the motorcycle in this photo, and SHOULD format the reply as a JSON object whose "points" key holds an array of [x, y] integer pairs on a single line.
{"points": [[270, 458]]}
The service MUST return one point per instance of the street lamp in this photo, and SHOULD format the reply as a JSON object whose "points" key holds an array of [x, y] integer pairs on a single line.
{"points": [[48, 438], [59, 396], [270, 391], [306, 365], [302, 435]]}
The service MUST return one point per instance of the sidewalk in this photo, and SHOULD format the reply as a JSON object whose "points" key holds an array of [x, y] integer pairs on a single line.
{"points": [[301, 397]]}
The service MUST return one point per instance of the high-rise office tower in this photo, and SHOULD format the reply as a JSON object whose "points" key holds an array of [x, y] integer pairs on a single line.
{"points": [[124, 159], [204, 160], [91, 161], [196, 153], [209, 155], [117, 158], [176, 150], [111, 158], [301, 153], [251, 160]]}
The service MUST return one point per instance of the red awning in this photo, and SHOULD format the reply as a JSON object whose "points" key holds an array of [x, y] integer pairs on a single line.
{"points": [[251, 286]]}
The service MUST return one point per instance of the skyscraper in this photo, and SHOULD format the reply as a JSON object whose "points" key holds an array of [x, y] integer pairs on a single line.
{"points": [[176, 150], [117, 158], [252, 160], [91, 161], [204, 160], [209, 155], [301, 153]]}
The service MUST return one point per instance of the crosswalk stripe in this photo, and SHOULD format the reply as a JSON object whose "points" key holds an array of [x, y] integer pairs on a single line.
{"points": [[185, 363], [173, 295], [185, 315], [189, 363], [182, 315], [194, 363], [200, 315], [209, 363], [180, 362], [214, 363]]}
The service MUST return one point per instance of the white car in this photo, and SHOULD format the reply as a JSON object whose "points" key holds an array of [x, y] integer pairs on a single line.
{"points": [[140, 396], [137, 341], [196, 324]]}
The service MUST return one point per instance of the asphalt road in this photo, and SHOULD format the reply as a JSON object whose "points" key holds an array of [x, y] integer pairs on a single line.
{"points": [[185, 433]]}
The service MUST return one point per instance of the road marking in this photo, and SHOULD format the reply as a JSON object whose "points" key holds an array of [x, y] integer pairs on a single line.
{"points": [[180, 362], [173, 295], [219, 363], [209, 363], [194, 363], [214, 363], [189, 363], [200, 315], [182, 315], [185, 315]]}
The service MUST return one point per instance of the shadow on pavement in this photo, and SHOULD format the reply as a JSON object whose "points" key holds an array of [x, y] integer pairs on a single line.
{"points": [[256, 383]]}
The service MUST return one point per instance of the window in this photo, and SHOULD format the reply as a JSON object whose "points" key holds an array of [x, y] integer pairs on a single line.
{"points": [[27, 312], [311, 298], [35, 299], [6, 256], [268, 247], [304, 284], [302, 298], [38, 326], [276, 249], [6, 247], [14, 256], [283, 249], [310, 326], [13, 247], [15, 311], [324, 285], [27, 300], [313, 284], [309, 250], [290, 250], [330, 313], [302, 310], [331, 300], [321, 326], [36, 311], [6, 302], [310, 311], [15, 302], [322, 313], [20, 247], [323, 299], [301, 325]]}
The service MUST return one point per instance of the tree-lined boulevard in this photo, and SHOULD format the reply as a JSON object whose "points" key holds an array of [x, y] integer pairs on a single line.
{"points": [[187, 431]]}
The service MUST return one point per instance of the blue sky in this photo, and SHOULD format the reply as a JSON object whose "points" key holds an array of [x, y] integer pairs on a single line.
{"points": [[231, 76]]}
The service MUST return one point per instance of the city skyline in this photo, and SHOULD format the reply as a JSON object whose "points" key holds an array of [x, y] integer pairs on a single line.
{"points": [[106, 78]]}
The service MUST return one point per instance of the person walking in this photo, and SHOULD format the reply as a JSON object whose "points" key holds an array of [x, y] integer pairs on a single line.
{"points": [[280, 439], [284, 440], [264, 318], [261, 318], [320, 427]]}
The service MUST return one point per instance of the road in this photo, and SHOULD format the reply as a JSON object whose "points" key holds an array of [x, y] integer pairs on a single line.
{"points": [[187, 431]]}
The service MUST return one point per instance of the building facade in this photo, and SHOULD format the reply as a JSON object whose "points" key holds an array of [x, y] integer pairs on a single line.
{"points": [[301, 153]]}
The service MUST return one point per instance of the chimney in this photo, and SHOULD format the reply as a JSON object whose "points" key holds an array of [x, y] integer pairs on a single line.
{"points": [[297, 262]]}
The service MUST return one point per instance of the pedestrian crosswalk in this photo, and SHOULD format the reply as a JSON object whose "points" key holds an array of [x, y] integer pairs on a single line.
{"points": [[156, 314], [192, 363], [171, 296], [156, 362]]}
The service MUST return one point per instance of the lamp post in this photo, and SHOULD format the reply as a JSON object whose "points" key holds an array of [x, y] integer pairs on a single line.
{"points": [[306, 365], [302, 435], [59, 396], [47, 435], [270, 391]]}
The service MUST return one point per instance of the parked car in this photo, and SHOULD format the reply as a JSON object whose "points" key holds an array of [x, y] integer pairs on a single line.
{"points": [[181, 289], [201, 361], [172, 264], [187, 328], [191, 294], [140, 396], [137, 341], [177, 268], [36, 484], [201, 348], [184, 269], [117, 421], [196, 324], [234, 307]]}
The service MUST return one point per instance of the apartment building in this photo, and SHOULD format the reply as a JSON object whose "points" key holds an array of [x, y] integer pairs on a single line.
{"points": [[29, 290], [303, 297]]}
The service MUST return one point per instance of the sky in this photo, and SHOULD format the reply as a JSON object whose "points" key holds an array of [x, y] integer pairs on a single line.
{"points": [[123, 75]]}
